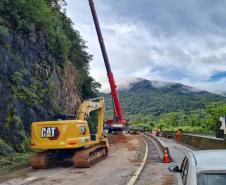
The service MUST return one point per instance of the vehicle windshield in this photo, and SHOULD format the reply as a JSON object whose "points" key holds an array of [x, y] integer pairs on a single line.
{"points": [[211, 179]]}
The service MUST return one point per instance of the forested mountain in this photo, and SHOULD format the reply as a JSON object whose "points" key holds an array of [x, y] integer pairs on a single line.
{"points": [[43, 68], [157, 98], [169, 106]]}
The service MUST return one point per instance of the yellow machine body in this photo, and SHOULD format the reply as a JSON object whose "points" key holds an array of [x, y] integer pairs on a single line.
{"points": [[61, 134], [66, 134]]}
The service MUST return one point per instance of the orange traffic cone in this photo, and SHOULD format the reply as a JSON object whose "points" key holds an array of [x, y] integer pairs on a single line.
{"points": [[166, 157]]}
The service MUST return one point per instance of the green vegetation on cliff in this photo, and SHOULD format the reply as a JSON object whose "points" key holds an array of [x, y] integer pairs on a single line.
{"points": [[44, 68], [28, 17]]}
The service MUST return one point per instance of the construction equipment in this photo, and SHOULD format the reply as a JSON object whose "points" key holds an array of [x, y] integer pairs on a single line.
{"points": [[133, 130], [118, 122], [81, 139]]}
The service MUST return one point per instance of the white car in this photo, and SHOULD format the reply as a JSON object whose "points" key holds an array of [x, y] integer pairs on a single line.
{"points": [[206, 167]]}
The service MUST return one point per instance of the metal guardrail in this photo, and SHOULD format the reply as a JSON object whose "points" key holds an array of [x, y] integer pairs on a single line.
{"points": [[198, 141]]}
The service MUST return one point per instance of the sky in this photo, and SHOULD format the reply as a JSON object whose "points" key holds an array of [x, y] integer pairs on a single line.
{"points": [[180, 41]]}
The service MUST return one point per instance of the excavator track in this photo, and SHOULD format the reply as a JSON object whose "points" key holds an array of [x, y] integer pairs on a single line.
{"points": [[84, 158], [90, 156], [40, 160]]}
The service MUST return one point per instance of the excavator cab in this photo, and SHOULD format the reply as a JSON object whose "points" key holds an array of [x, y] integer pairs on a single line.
{"points": [[92, 120]]}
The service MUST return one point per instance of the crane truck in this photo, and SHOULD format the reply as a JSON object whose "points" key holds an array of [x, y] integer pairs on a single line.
{"points": [[118, 122], [80, 139]]}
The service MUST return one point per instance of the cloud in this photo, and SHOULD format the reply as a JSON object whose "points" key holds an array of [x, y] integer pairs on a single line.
{"points": [[179, 41]]}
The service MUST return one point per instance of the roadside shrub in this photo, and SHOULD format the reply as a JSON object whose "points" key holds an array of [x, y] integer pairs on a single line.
{"points": [[5, 149]]}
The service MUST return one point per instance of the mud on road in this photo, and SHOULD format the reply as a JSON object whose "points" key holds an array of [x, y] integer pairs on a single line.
{"points": [[126, 153]]}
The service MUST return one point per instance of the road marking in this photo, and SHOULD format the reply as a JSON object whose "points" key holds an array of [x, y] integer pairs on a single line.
{"points": [[138, 171], [30, 178], [56, 173]]}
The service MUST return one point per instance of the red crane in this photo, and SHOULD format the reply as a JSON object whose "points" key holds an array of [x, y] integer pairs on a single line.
{"points": [[118, 122]]}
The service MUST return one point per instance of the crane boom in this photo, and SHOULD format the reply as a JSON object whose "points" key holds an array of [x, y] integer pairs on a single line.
{"points": [[118, 114]]}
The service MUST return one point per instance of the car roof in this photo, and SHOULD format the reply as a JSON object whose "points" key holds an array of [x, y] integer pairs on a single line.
{"points": [[210, 160]]}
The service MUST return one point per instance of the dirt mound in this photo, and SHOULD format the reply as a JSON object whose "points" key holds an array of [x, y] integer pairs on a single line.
{"points": [[117, 138]]}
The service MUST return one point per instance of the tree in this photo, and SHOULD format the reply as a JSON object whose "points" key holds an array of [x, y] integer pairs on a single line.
{"points": [[170, 120]]}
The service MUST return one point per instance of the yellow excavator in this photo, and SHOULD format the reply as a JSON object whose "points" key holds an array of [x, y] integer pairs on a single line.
{"points": [[81, 139]]}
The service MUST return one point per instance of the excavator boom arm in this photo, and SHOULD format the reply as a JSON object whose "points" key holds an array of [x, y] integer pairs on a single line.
{"points": [[96, 104], [88, 106]]}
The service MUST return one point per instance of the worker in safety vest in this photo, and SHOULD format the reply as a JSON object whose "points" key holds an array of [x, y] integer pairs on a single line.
{"points": [[178, 135], [158, 132]]}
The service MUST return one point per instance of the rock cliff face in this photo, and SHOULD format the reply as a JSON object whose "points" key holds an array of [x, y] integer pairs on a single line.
{"points": [[32, 86], [36, 82]]}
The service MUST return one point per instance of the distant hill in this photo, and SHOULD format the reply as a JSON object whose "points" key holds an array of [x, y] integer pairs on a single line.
{"points": [[156, 97]]}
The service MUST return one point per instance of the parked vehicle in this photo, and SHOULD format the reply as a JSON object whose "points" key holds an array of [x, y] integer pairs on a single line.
{"points": [[207, 167]]}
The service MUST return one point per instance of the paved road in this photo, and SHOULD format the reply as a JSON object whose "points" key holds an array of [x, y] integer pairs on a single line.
{"points": [[177, 151], [123, 160], [155, 172]]}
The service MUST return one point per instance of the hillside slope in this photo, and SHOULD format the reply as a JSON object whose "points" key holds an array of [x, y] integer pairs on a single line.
{"points": [[157, 98], [43, 68]]}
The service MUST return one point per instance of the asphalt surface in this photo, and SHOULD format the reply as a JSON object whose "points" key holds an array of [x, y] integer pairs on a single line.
{"points": [[124, 158], [177, 151], [155, 171], [117, 169]]}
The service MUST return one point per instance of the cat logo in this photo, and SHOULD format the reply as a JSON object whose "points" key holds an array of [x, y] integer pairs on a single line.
{"points": [[50, 132]]}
